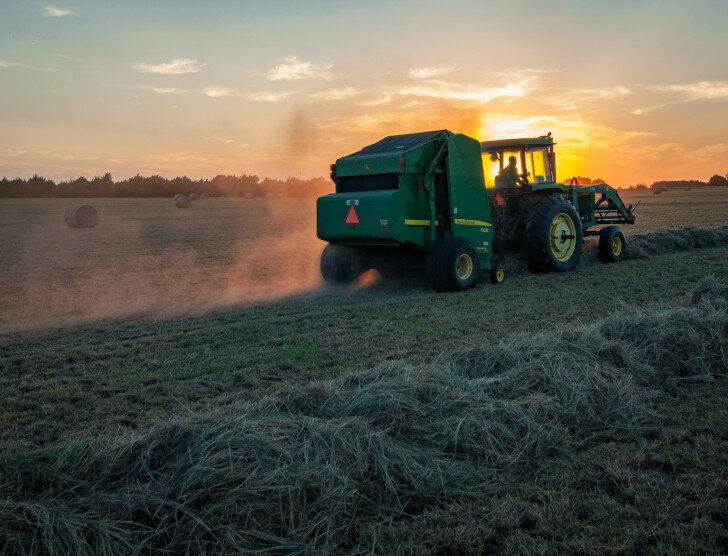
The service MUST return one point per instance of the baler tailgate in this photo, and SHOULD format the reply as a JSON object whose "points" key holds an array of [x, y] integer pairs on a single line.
{"points": [[470, 214]]}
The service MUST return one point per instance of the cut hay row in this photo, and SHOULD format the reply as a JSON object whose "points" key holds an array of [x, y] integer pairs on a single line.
{"points": [[639, 246], [656, 243], [320, 467]]}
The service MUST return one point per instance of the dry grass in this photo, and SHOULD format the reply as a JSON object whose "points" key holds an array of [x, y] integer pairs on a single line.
{"points": [[324, 466], [146, 256], [645, 245]]}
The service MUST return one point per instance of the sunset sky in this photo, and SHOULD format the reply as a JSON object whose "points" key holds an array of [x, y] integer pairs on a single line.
{"points": [[633, 91]]}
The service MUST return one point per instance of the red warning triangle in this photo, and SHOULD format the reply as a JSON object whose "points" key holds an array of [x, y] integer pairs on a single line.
{"points": [[352, 218], [499, 200]]}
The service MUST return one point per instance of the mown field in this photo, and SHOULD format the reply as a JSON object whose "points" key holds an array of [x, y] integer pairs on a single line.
{"points": [[158, 316]]}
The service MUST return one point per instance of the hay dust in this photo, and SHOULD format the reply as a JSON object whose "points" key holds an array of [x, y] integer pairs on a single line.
{"points": [[146, 257]]}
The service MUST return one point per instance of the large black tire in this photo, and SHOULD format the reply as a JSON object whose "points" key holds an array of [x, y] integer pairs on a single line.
{"points": [[339, 265], [553, 235], [453, 265], [611, 244]]}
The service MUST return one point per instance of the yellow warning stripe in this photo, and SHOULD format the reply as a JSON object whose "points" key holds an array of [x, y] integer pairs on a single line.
{"points": [[409, 222], [467, 222]]}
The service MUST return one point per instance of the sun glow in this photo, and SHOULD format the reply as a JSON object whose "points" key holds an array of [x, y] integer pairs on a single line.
{"points": [[575, 136]]}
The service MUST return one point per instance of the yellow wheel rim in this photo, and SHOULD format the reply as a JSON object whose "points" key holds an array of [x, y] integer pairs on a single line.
{"points": [[464, 267], [616, 246], [563, 247], [499, 275]]}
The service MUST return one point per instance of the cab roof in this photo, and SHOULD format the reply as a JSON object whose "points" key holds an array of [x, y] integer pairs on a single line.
{"points": [[500, 144]]}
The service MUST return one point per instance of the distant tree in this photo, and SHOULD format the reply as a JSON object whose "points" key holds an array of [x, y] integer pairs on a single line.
{"points": [[641, 186], [102, 186], [718, 181]]}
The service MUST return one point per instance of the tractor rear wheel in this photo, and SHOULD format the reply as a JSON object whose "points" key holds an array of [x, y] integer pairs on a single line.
{"points": [[611, 244], [453, 265], [339, 265], [553, 235]]}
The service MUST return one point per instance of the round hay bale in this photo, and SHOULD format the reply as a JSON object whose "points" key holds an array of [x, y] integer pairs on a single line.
{"points": [[182, 202], [204, 196], [81, 216], [194, 196], [179, 195]]}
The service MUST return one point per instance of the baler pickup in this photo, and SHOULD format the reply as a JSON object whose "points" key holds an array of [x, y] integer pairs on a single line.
{"points": [[604, 210]]}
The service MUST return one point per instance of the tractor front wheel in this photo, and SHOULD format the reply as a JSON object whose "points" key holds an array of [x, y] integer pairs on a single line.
{"points": [[339, 265], [453, 265], [553, 235], [611, 244]]}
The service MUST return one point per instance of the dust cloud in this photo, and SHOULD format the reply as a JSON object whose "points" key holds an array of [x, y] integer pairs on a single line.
{"points": [[148, 258]]}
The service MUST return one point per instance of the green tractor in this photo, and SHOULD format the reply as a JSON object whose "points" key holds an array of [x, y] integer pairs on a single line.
{"points": [[423, 196]]}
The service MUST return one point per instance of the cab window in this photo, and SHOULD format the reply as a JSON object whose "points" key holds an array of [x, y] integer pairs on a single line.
{"points": [[493, 163], [537, 165]]}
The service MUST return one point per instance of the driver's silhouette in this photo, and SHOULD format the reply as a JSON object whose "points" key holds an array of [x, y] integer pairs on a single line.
{"points": [[508, 176]]}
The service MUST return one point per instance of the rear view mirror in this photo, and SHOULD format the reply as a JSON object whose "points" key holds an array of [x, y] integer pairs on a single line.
{"points": [[494, 157]]}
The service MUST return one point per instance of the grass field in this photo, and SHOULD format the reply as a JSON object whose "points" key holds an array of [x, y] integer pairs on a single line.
{"points": [[168, 314], [148, 257]]}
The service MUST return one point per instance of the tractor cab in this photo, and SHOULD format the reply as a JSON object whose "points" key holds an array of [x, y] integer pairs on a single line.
{"points": [[534, 160]]}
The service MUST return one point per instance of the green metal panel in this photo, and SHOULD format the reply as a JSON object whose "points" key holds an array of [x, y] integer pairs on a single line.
{"points": [[549, 187], [362, 165], [380, 214], [469, 207]]}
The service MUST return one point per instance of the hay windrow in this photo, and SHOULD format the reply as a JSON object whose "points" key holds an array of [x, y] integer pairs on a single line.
{"points": [[321, 466], [638, 246], [656, 243]]}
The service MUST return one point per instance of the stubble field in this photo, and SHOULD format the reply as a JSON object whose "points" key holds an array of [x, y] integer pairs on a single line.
{"points": [[160, 315]]}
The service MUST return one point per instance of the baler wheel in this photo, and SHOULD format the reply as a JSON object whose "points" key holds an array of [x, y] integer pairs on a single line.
{"points": [[453, 265], [339, 265], [611, 244], [497, 274], [553, 235]]}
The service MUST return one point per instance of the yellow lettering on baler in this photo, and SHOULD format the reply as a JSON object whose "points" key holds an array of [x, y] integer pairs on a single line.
{"points": [[468, 222]]}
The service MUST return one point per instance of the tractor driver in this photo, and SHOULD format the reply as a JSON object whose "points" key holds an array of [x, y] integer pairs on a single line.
{"points": [[509, 176]]}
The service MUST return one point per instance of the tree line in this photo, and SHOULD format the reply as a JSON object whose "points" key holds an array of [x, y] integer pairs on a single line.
{"points": [[158, 186], [715, 181], [230, 186]]}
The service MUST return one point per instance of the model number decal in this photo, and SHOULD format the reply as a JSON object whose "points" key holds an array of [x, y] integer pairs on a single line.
{"points": [[468, 222]]}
